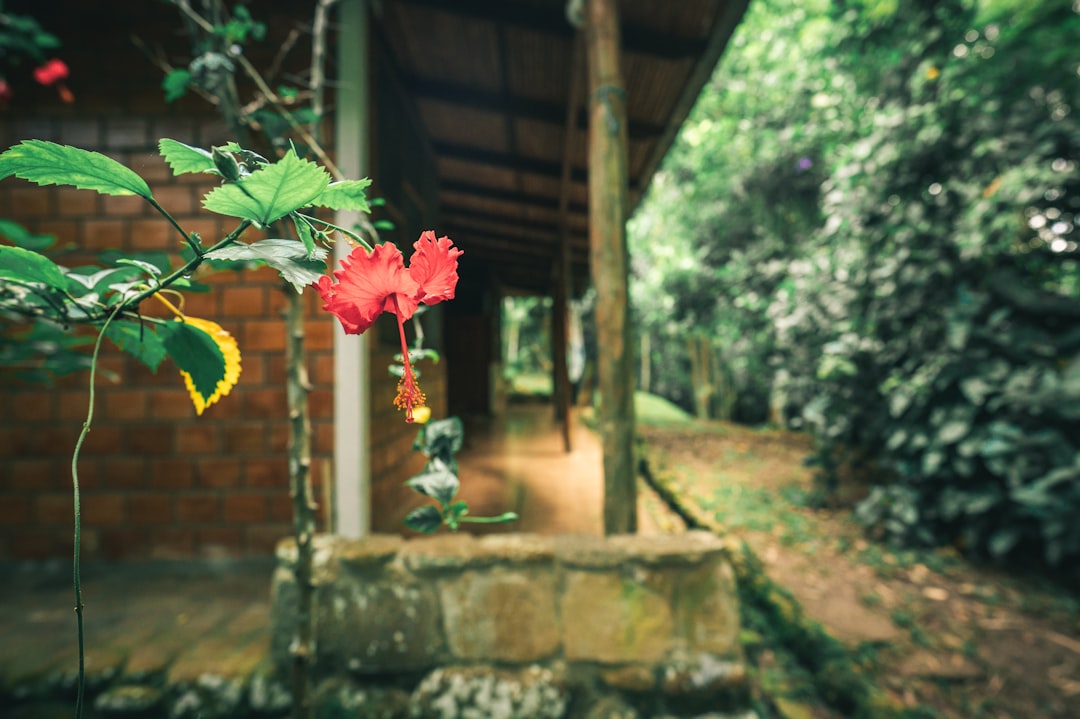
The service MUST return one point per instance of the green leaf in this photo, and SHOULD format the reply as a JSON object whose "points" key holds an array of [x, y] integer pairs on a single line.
{"points": [[98, 280], [184, 159], [29, 266], [22, 237], [175, 84], [196, 353], [138, 340], [289, 257], [303, 228], [424, 519], [270, 193], [47, 163], [147, 267], [345, 195], [436, 481]]}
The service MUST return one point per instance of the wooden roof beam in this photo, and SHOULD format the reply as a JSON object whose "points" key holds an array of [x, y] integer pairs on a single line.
{"points": [[550, 19], [552, 113]]}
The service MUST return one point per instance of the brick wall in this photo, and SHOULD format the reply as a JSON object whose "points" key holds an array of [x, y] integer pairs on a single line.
{"points": [[157, 481]]}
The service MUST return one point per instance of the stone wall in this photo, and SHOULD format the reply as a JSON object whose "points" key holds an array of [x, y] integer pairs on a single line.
{"points": [[650, 620]]}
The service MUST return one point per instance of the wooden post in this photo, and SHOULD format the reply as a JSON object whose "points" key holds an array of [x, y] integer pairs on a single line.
{"points": [[609, 263], [562, 259]]}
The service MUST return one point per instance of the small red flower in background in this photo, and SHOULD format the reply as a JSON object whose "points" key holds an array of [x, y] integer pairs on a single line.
{"points": [[369, 284], [54, 72], [51, 72], [5, 93]]}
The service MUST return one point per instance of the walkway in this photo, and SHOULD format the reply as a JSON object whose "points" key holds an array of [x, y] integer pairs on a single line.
{"points": [[182, 620]]}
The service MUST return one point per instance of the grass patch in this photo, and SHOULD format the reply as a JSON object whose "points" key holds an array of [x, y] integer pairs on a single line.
{"points": [[653, 409]]}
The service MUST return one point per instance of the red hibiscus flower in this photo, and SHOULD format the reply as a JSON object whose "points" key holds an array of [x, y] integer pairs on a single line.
{"points": [[54, 72], [51, 72], [369, 284]]}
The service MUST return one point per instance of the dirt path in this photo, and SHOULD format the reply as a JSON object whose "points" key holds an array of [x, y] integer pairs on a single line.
{"points": [[959, 640]]}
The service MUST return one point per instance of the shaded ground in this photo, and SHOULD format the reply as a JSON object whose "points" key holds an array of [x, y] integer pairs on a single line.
{"points": [[936, 631]]}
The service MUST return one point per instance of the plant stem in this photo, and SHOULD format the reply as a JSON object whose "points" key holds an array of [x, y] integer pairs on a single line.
{"points": [[504, 517], [76, 578], [303, 505]]}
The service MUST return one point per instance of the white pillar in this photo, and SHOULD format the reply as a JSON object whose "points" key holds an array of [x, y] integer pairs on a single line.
{"points": [[352, 400]]}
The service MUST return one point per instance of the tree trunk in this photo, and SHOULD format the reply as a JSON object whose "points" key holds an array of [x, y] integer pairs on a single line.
{"points": [[610, 265]]}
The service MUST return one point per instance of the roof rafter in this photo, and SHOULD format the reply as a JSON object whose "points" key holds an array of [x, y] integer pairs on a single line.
{"points": [[550, 19]]}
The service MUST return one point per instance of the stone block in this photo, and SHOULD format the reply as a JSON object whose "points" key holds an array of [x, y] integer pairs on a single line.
{"points": [[707, 610], [501, 613], [387, 622], [441, 552], [612, 618]]}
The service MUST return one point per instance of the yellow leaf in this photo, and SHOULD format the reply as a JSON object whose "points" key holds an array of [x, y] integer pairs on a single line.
{"points": [[229, 350]]}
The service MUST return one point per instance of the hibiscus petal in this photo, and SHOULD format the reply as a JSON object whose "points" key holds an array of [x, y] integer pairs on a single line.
{"points": [[434, 267], [366, 286]]}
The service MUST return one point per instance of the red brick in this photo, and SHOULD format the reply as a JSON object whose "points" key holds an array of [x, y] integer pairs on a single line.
{"points": [[197, 439], [71, 404], [38, 474], [65, 231], [27, 407], [265, 403], [201, 304], [263, 335], [126, 473], [85, 134], [277, 438], [219, 473], [122, 206], [280, 506], [125, 543], [244, 438], [253, 371], [151, 167], [150, 439], [323, 364], [170, 403], [126, 134], [275, 366], [248, 508], [242, 301], [171, 473], [123, 403], [323, 440], [102, 441], [153, 233], [277, 302], [319, 335], [220, 541], [200, 507], [179, 200], [103, 509], [32, 544], [72, 202], [270, 472], [153, 509], [16, 509], [321, 403], [264, 538], [210, 230], [98, 233], [173, 543], [54, 508], [31, 202]]}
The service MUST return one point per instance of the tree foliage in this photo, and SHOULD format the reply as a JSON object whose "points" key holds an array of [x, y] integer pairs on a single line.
{"points": [[871, 214]]}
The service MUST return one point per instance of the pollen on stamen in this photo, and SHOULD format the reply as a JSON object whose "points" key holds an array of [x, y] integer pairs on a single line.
{"points": [[409, 396]]}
